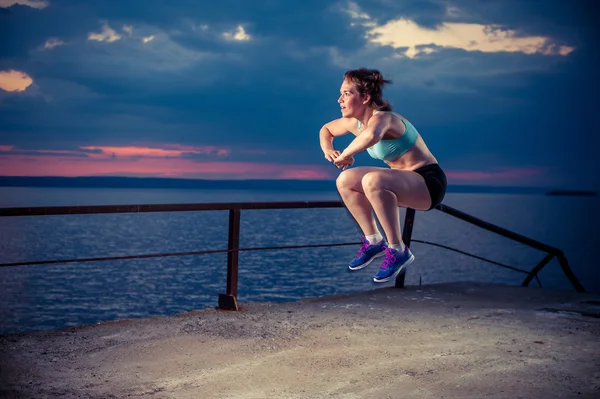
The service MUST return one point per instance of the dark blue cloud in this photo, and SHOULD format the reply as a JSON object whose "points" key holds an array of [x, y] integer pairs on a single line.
{"points": [[424, 12], [24, 28], [314, 23]]}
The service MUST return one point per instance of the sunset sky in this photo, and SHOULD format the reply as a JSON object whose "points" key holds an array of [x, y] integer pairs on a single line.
{"points": [[503, 92]]}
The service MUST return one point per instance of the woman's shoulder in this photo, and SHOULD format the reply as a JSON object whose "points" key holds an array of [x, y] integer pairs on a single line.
{"points": [[399, 117], [395, 122], [390, 112]]}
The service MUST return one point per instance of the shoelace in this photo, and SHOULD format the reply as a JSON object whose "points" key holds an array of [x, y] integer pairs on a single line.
{"points": [[364, 246], [389, 258]]}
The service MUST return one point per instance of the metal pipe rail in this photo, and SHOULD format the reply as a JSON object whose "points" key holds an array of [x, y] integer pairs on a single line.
{"points": [[229, 299]]}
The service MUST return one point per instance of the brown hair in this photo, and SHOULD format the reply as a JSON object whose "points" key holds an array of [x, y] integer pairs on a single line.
{"points": [[370, 82]]}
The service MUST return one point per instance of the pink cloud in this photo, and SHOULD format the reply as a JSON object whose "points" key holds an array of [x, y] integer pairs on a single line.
{"points": [[309, 174], [169, 150], [131, 151], [166, 160], [120, 153], [220, 151], [28, 165]]}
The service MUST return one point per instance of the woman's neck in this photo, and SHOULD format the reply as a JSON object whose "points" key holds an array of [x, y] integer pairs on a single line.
{"points": [[366, 116]]}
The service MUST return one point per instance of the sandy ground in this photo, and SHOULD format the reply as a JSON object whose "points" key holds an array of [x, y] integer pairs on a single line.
{"points": [[442, 341]]}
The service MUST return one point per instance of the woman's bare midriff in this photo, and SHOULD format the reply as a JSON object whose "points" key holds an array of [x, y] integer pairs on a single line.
{"points": [[418, 156]]}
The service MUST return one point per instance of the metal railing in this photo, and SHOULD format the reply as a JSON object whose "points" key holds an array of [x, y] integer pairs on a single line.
{"points": [[229, 299]]}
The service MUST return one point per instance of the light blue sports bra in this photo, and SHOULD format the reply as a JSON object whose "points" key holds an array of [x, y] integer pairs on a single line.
{"points": [[388, 150]]}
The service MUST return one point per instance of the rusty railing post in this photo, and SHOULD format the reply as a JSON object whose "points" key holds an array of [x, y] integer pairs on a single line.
{"points": [[409, 220], [228, 301]]}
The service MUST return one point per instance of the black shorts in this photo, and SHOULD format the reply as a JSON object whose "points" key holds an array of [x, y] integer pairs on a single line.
{"points": [[435, 179]]}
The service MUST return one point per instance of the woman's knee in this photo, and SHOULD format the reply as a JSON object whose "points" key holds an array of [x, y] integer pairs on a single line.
{"points": [[348, 179], [372, 182]]}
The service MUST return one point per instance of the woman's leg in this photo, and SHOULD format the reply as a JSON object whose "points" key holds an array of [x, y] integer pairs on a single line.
{"points": [[386, 190], [350, 186]]}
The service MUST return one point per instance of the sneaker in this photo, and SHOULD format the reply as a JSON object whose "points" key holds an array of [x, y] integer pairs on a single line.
{"points": [[394, 262], [366, 254]]}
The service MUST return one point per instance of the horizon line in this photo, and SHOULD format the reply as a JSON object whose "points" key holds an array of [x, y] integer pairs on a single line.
{"points": [[3, 179]]}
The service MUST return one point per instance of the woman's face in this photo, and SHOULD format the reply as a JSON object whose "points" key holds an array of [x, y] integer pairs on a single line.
{"points": [[350, 100]]}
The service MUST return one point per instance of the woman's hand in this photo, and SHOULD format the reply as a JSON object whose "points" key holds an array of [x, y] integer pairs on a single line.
{"points": [[343, 161], [330, 155]]}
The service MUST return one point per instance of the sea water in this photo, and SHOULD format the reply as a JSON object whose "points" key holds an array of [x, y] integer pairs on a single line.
{"points": [[67, 294]]}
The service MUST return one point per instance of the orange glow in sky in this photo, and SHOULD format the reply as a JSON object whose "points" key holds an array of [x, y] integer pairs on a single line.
{"points": [[36, 165], [170, 151], [174, 160]]}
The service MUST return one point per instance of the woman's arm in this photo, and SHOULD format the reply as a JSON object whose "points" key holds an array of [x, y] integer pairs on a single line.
{"points": [[335, 128], [378, 125]]}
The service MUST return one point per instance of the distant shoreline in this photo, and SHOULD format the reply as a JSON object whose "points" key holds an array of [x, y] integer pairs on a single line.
{"points": [[579, 193], [287, 185]]}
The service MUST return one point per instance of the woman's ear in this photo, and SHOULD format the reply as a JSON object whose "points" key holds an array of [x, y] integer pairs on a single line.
{"points": [[367, 99]]}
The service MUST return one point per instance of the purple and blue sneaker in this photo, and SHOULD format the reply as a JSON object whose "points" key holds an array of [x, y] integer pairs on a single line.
{"points": [[394, 262], [367, 253]]}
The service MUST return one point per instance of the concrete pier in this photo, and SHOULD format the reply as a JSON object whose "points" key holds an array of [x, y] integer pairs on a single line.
{"points": [[440, 341]]}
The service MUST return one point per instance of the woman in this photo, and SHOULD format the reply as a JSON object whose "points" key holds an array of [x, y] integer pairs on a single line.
{"points": [[413, 180]]}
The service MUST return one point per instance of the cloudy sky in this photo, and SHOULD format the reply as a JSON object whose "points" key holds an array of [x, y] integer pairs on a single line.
{"points": [[503, 92]]}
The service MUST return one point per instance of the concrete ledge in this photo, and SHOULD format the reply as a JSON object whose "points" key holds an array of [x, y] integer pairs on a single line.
{"points": [[439, 341]]}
